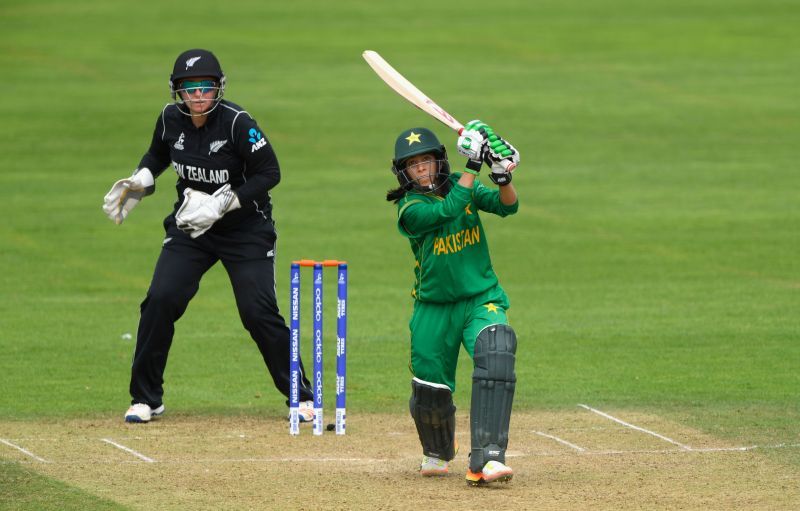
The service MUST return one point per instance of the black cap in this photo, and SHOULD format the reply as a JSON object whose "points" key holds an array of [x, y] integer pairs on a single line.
{"points": [[194, 63]]}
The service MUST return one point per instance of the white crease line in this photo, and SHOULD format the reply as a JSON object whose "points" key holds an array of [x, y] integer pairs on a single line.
{"points": [[560, 454], [23, 451], [745, 448], [721, 449], [637, 428], [146, 438], [561, 441], [128, 450], [298, 460]]}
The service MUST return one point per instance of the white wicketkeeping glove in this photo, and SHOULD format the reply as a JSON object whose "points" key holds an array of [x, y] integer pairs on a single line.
{"points": [[200, 210], [126, 194]]}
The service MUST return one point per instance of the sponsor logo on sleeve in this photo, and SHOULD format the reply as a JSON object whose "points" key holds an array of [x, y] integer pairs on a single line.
{"points": [[257, 139]]}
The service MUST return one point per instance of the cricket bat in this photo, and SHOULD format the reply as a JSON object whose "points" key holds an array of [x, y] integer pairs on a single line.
{"points": [[415, 96]]}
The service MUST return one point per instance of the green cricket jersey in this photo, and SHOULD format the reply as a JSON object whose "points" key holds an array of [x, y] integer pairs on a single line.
{"points": [[448, 240]]}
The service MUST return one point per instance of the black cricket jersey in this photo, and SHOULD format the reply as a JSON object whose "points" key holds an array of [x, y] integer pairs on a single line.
{"points": [[228, 148]]}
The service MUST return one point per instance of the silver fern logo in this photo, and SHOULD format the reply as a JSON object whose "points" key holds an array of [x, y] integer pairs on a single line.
{"points": [[216, 146], [191, 62], [179, 143]]}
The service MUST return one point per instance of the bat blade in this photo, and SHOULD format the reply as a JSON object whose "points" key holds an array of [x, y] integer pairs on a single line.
{"points": [[416, 97], [412, 94]]}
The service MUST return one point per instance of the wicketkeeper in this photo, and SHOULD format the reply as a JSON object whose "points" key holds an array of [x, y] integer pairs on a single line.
{"points": [[226, 168], [457, 297]]}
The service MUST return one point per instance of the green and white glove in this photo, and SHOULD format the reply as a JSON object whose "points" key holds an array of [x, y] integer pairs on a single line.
{"points": [[481, 127], [473, 144], [496, 147], [125, 194], [498, 151], [199, 210]]}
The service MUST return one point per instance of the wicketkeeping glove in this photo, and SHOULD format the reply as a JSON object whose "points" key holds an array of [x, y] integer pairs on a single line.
{"points": [[199, 210], [125, 194]]}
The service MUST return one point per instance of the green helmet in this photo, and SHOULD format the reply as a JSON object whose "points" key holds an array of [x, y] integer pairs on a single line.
{"points": [[413, 142]]}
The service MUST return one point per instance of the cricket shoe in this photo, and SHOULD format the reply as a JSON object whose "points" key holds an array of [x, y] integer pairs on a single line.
{"points": [[493, 471], [305, 411], [141, 412], [432, 467]]}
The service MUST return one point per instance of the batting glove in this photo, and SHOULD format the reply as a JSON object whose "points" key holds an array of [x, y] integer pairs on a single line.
{"points": [[495, 146], [199, 210], [473, 144], [478, 125], [497, 151], [125, 194]]}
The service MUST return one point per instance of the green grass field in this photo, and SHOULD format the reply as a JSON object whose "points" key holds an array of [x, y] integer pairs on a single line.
{"points": [[653, 264]]}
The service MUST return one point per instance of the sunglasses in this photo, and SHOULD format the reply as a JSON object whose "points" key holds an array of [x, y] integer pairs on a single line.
{"points": [[203, 86]]}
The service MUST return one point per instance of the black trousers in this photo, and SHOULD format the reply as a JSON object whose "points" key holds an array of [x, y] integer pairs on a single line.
{"points": [[247, 253]]}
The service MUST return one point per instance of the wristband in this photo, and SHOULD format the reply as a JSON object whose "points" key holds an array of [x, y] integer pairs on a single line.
{"points": [[474, 166], [501, 179], [470, 171]]}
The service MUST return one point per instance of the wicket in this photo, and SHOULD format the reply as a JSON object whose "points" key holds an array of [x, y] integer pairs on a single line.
{"points": [[341, 345]]}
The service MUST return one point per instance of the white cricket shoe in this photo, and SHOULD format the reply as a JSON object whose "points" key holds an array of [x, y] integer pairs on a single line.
{"points": [[141, 412], [306, 411], [493, 471], [432, 467]]}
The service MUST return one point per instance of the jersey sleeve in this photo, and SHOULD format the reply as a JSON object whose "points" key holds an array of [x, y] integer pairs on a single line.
{"points": [[261, 171], [157, 156], [416, 216], [489, 200]]}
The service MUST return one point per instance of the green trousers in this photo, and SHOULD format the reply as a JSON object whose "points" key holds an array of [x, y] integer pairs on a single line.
{"points": [[439, 329]]}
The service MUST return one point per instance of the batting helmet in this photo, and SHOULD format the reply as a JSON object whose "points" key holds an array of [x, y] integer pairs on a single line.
{"points": [[413, 142]]}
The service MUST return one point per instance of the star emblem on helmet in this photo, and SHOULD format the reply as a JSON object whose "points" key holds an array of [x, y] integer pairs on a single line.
{"points": [[413, 137]]}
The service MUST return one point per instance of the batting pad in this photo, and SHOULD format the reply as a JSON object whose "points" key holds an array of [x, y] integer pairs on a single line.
{"points": [[434, 414], [493, 383]]}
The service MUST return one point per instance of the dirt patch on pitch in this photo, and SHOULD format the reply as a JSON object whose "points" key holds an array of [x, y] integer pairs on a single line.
{"points": [[561, 461]]}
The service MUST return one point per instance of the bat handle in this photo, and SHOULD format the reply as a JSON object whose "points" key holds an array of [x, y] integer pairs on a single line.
{"points": [[508, 164]]}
